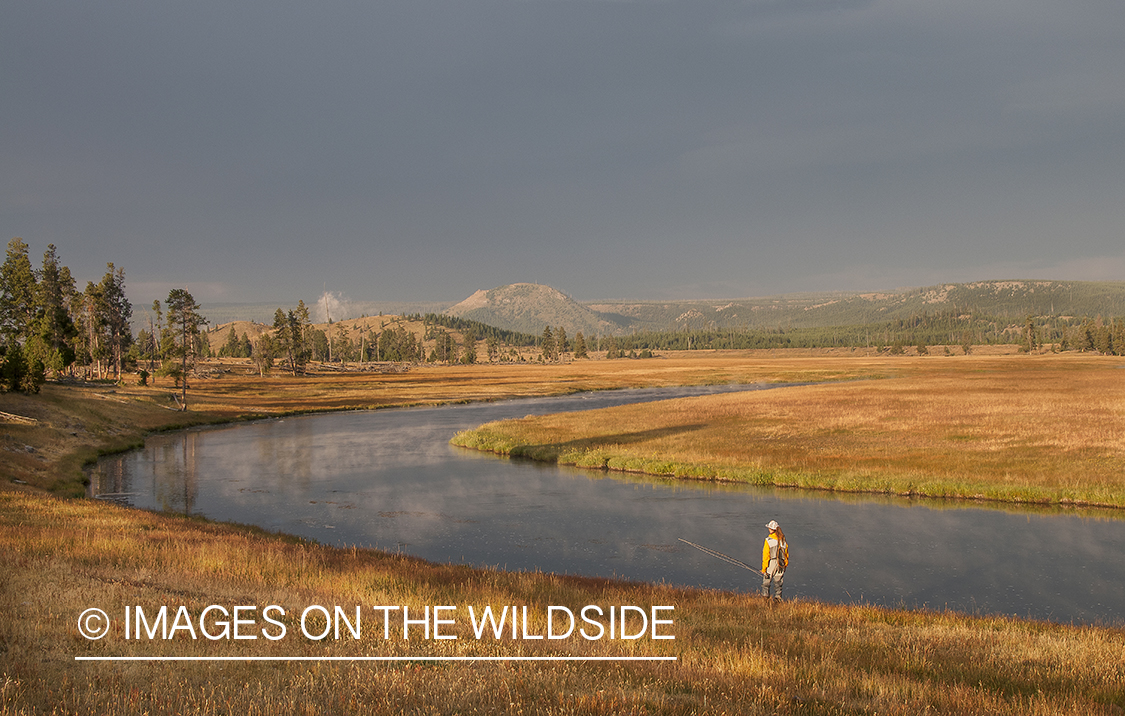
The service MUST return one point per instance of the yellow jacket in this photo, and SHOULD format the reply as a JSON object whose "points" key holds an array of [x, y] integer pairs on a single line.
{"points": [[776, 553]]}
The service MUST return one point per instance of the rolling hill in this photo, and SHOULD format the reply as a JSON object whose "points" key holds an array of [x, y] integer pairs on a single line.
{"points": [[529, 307]]}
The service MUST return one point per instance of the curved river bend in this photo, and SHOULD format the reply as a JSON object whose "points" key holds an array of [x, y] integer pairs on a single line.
{"points": [[389, 479]]}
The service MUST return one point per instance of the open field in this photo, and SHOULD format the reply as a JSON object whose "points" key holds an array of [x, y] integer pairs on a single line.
{"points": [[735, 653], [1044, 429]]}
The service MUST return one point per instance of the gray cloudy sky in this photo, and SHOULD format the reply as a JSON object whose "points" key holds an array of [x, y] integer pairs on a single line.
{"points": [[422, 149]]}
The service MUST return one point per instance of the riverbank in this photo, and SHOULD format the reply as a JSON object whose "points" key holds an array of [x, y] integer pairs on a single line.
{"points": [[734, 653], [1043, 429], [66, 426]]}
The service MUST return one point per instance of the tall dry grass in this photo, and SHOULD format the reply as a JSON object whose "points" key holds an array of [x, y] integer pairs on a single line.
{"points": [[736, 653], [1045, 429]]}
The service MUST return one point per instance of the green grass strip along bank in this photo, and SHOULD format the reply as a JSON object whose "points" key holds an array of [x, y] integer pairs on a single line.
{"points": [[502, 438]]}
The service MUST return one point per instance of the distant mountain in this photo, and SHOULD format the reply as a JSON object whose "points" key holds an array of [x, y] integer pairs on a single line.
{"points": [[529, 307]]}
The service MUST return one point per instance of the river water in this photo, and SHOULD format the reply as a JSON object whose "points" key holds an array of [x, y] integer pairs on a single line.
{"points": [[390, 479]]}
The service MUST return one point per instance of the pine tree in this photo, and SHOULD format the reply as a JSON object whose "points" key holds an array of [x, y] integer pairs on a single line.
{"points": [[579, 345], [155, 330], [17, 293], [609, 344], [117, 312], [17, 372], [302, 327], [291, 338], [547, 342], [185, 319], [469, 351], [54, 330], [265, 350], [229, 348], [1030, 335]]}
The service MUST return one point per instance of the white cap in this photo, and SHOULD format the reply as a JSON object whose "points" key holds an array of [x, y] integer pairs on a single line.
{"points": [[773, 525]]}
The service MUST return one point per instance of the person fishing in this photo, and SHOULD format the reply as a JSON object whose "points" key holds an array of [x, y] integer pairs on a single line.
{"points": [[775, 558]]}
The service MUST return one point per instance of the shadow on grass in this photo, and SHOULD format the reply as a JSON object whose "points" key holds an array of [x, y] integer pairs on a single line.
{"points": [[546, 450]]}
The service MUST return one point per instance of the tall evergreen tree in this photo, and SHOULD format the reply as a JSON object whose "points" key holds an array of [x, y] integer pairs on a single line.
{"points": [[303, 334], [245, 347], [184, 318], [288, 338], [17, 293], [1030, 335], [547, 344], [580, 345], [117, 311], [93, 343], [265, 350], [54, 330], [609, 345], [20, 368], [469, 354], [229, 349], [155, 331]]}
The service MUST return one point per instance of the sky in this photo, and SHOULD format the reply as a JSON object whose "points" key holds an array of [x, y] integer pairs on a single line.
{"points": [[419, 150]]}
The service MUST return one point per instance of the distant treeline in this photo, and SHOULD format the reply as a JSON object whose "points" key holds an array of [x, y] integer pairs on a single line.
{"points": [[948, 328], [951, 328], [926, 329], [482, 331]]}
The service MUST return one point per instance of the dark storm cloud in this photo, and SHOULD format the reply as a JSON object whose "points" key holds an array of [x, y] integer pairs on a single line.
{"points": [[420, 150]]}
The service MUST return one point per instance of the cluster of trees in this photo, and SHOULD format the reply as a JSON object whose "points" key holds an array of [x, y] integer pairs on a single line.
{"points": [[397, 344], [295, 342], [48, 326], [554, 345], [173, 342], [894, 336], [482, 331], [1105, 337], [236, 347]]}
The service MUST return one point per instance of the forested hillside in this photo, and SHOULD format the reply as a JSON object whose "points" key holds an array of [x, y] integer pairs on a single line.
{"points": [[1007, 300]]}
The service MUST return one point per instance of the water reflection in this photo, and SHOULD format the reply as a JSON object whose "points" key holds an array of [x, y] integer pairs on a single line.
{"points": [[389, 479]]}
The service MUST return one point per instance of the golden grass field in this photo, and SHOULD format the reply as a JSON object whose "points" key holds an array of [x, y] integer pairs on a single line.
{"points": [[1045, 429], [736, 653]]}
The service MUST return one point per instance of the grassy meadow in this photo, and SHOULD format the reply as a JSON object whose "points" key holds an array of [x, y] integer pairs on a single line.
{"points": [[1043, 429], [736, 654]]}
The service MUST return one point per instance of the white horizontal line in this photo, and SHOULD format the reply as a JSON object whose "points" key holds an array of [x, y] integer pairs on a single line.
{"points": [[376, 658]]}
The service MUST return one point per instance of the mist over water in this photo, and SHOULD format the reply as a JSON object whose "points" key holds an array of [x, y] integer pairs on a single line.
{"points": [[389, 479]]}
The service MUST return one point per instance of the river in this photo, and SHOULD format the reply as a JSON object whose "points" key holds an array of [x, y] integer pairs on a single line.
{"points": [[390, 479]]}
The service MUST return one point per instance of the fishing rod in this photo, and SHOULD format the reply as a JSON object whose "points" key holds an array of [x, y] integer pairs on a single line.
{"points": [[720, 555]]}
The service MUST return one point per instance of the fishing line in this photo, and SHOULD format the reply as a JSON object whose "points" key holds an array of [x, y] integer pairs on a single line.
{"points": [[720, 555]]}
